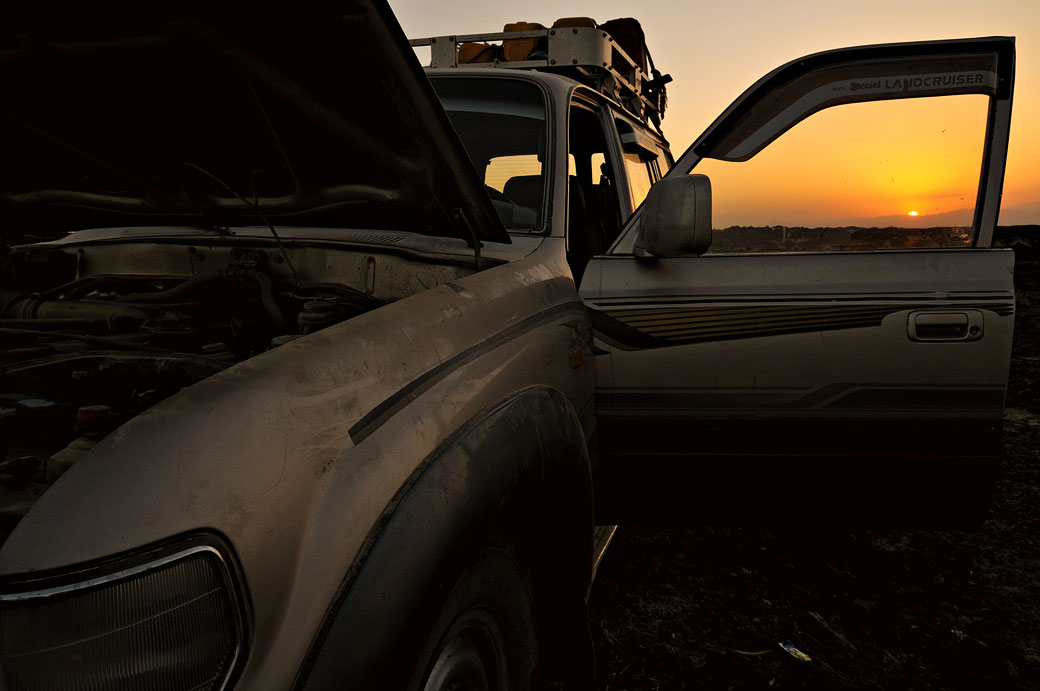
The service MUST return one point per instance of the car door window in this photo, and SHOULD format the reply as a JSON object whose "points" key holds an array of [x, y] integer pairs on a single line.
{"points": [[643, 158], [640, 177], [900, 174]]}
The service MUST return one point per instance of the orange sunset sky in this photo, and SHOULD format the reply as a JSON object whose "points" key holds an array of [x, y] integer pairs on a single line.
{"points": [[864, 164]]}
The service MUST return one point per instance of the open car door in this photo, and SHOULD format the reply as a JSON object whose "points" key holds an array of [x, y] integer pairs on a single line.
{"points": [[838, 372]]}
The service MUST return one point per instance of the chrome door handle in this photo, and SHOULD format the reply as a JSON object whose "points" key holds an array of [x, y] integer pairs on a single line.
{"points": [[950, 325]]}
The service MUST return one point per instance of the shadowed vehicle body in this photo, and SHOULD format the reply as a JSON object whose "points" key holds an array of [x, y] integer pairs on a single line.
{"points": [[309, 379]]}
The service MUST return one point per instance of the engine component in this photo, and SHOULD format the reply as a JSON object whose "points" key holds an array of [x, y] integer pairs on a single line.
{"points": [[92, 422], [321, 312], [21, 306]]}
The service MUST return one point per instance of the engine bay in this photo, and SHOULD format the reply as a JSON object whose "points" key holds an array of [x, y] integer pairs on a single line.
{"points": [[93, 334]]}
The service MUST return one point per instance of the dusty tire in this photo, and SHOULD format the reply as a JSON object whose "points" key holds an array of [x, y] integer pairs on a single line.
{"points": [[484, 638]]}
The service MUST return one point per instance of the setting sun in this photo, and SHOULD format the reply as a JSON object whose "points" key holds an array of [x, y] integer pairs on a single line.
{"points": [[912, 213]]}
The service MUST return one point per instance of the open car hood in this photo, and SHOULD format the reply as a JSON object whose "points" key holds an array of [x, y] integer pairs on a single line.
{"points": [[313, 112]]}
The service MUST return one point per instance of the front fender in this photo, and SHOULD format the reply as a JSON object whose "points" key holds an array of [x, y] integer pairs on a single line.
{"points": [[519, 468]]}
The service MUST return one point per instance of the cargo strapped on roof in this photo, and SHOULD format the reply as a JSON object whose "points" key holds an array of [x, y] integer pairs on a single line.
{"points": [[577, 48]]}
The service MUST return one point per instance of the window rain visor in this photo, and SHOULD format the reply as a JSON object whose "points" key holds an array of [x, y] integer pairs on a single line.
{"points": [[502, 124]]}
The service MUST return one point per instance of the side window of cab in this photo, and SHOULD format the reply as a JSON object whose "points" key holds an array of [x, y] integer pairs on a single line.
{"points": [[645, 160], [886, 175]]}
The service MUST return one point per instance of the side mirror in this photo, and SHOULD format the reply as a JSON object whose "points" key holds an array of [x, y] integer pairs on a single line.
{"points": [[676, 218]]}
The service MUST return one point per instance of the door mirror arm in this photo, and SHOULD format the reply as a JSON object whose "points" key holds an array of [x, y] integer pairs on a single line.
{"points": [[643, 256]]}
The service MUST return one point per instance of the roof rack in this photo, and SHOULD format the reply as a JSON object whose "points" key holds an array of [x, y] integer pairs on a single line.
{"points": [[589, 55]]}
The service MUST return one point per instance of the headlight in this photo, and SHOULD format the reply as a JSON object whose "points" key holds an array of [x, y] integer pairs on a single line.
{"points": [[169, 620]]}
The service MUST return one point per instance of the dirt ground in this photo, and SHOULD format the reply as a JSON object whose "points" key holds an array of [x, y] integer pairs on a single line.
{"points": [[707, 608]]}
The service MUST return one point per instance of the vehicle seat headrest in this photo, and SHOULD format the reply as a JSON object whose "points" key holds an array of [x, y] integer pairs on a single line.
{"points": [[525, 190]]}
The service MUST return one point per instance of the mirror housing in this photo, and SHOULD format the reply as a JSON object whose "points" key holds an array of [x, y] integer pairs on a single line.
{"points": [[676, 219]]}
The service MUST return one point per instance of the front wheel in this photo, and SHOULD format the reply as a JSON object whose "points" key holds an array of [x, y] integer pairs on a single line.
{"points": [[484, 638]]}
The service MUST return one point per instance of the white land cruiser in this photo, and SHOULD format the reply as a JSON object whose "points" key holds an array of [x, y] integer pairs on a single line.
{"points": [[310, 369]]}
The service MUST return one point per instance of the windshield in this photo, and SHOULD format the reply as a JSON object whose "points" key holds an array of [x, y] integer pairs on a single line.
{"points": [[501, 122]]}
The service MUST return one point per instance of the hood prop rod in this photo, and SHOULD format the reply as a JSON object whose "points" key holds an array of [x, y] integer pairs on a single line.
{"points": [[462, 222]]}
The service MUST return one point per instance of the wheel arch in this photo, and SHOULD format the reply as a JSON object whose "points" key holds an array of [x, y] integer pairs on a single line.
{"points": [[519, 469]]}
